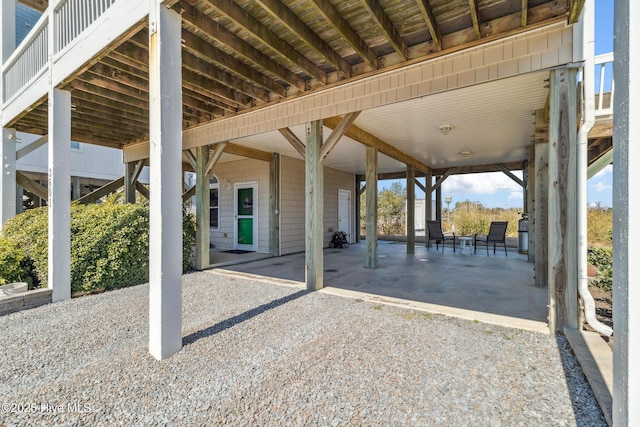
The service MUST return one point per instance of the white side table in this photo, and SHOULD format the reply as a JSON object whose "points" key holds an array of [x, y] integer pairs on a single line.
{"points": [[465, 242]]}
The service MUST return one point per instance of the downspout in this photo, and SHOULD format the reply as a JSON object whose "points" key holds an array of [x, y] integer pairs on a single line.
{"points": [[584, 41]]}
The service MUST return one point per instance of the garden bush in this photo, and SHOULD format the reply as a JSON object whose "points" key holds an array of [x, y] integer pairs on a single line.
{"points": [[109, 246], [601, 258]]}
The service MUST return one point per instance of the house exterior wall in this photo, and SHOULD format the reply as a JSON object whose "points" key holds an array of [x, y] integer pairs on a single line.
{"points": [[292, 204], [237, 172]]}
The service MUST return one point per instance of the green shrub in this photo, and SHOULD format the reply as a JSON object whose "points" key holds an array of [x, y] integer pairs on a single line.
{"points": [[601, 258], [15, 265], [109, 245]]}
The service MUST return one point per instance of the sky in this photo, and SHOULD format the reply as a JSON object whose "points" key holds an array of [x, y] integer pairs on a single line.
{"points": [[496, 189]]}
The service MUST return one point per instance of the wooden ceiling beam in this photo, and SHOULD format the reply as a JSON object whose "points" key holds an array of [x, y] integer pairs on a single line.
{"points": [[384, 23], [281, 13], [234, 12], [114, 89], [475, 18], [430, 20], [197, 104], [207, 52], [365, 138], [460, 170], [121, 77], [98, 103], [334, 18], [223, 77], [252, 153]]}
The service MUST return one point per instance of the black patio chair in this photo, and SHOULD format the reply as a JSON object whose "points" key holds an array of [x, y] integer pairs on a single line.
{"points": [[434, 228], [497, 233]]}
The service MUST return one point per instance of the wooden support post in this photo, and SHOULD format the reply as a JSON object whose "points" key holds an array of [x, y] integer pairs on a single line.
{"points": [[411, 210], [202, 208], [626, 211], [428, 214], [531, 205], [358, 207], [130, 182], [19, 199], [314, 220], [525, 185], [541, 214], [274, 204], [76, 188], [59, 277], [438, 203], [563, 273], [7, 175], [371, 177], [165, 156]]}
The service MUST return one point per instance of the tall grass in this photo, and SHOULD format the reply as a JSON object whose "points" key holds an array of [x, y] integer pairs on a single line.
{"points": [[599, 226], [469, 218]]}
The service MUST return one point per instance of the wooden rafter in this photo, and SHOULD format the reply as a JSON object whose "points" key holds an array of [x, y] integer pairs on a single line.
{"points": [[387, 27], [290, 20], [369, 140], [241, 18], [475, 17], [340, 25], [430, 20]]}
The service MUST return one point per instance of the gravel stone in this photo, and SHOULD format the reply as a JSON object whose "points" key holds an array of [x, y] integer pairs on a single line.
{"points": [[261, 354]]}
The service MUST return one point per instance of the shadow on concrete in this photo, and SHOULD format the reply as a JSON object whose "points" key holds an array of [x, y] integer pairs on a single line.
{"points": [[232, 321]]}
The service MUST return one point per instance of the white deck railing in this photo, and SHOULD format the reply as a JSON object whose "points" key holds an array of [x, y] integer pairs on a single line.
{"points": [[28, 60], [72, 17], [604, 84]]}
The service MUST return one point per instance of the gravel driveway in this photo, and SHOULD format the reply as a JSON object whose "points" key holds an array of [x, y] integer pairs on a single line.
{"points": [[261, 354]]}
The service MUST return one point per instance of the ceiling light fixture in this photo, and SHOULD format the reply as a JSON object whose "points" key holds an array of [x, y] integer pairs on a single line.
{"points": [[445, 129], [465, 154]]}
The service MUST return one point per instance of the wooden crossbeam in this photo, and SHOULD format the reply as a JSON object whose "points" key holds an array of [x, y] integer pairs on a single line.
{"points": [[137, 171], [475, 17], [370, 140], [31, 186], [387, 27], [32, 147], [252, 153], [294, 141], [430, 20], [421, 186], [190, 157], [142, 190], [337, 133], [214, 157], [290, 20], [340, 25], [442, 178], [507, 172], [106, 189], [189, 193], [460, 170]]}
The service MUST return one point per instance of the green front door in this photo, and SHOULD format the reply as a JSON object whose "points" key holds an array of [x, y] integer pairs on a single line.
{"points": [[245, 201]]}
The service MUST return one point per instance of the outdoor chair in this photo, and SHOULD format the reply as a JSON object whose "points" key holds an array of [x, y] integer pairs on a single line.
{"points": [[434, 228], [497, 233]]}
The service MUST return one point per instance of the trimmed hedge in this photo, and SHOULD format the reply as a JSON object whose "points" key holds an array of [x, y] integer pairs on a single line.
{"points": [[109, 246]]}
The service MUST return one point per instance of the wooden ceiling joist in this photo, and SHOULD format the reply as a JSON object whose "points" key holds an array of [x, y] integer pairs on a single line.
{"points": [[283, 14], [384, 22], [252, 153], [475, 17], [430, 20], [331, 15], [241, 18], [219, 58]]}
